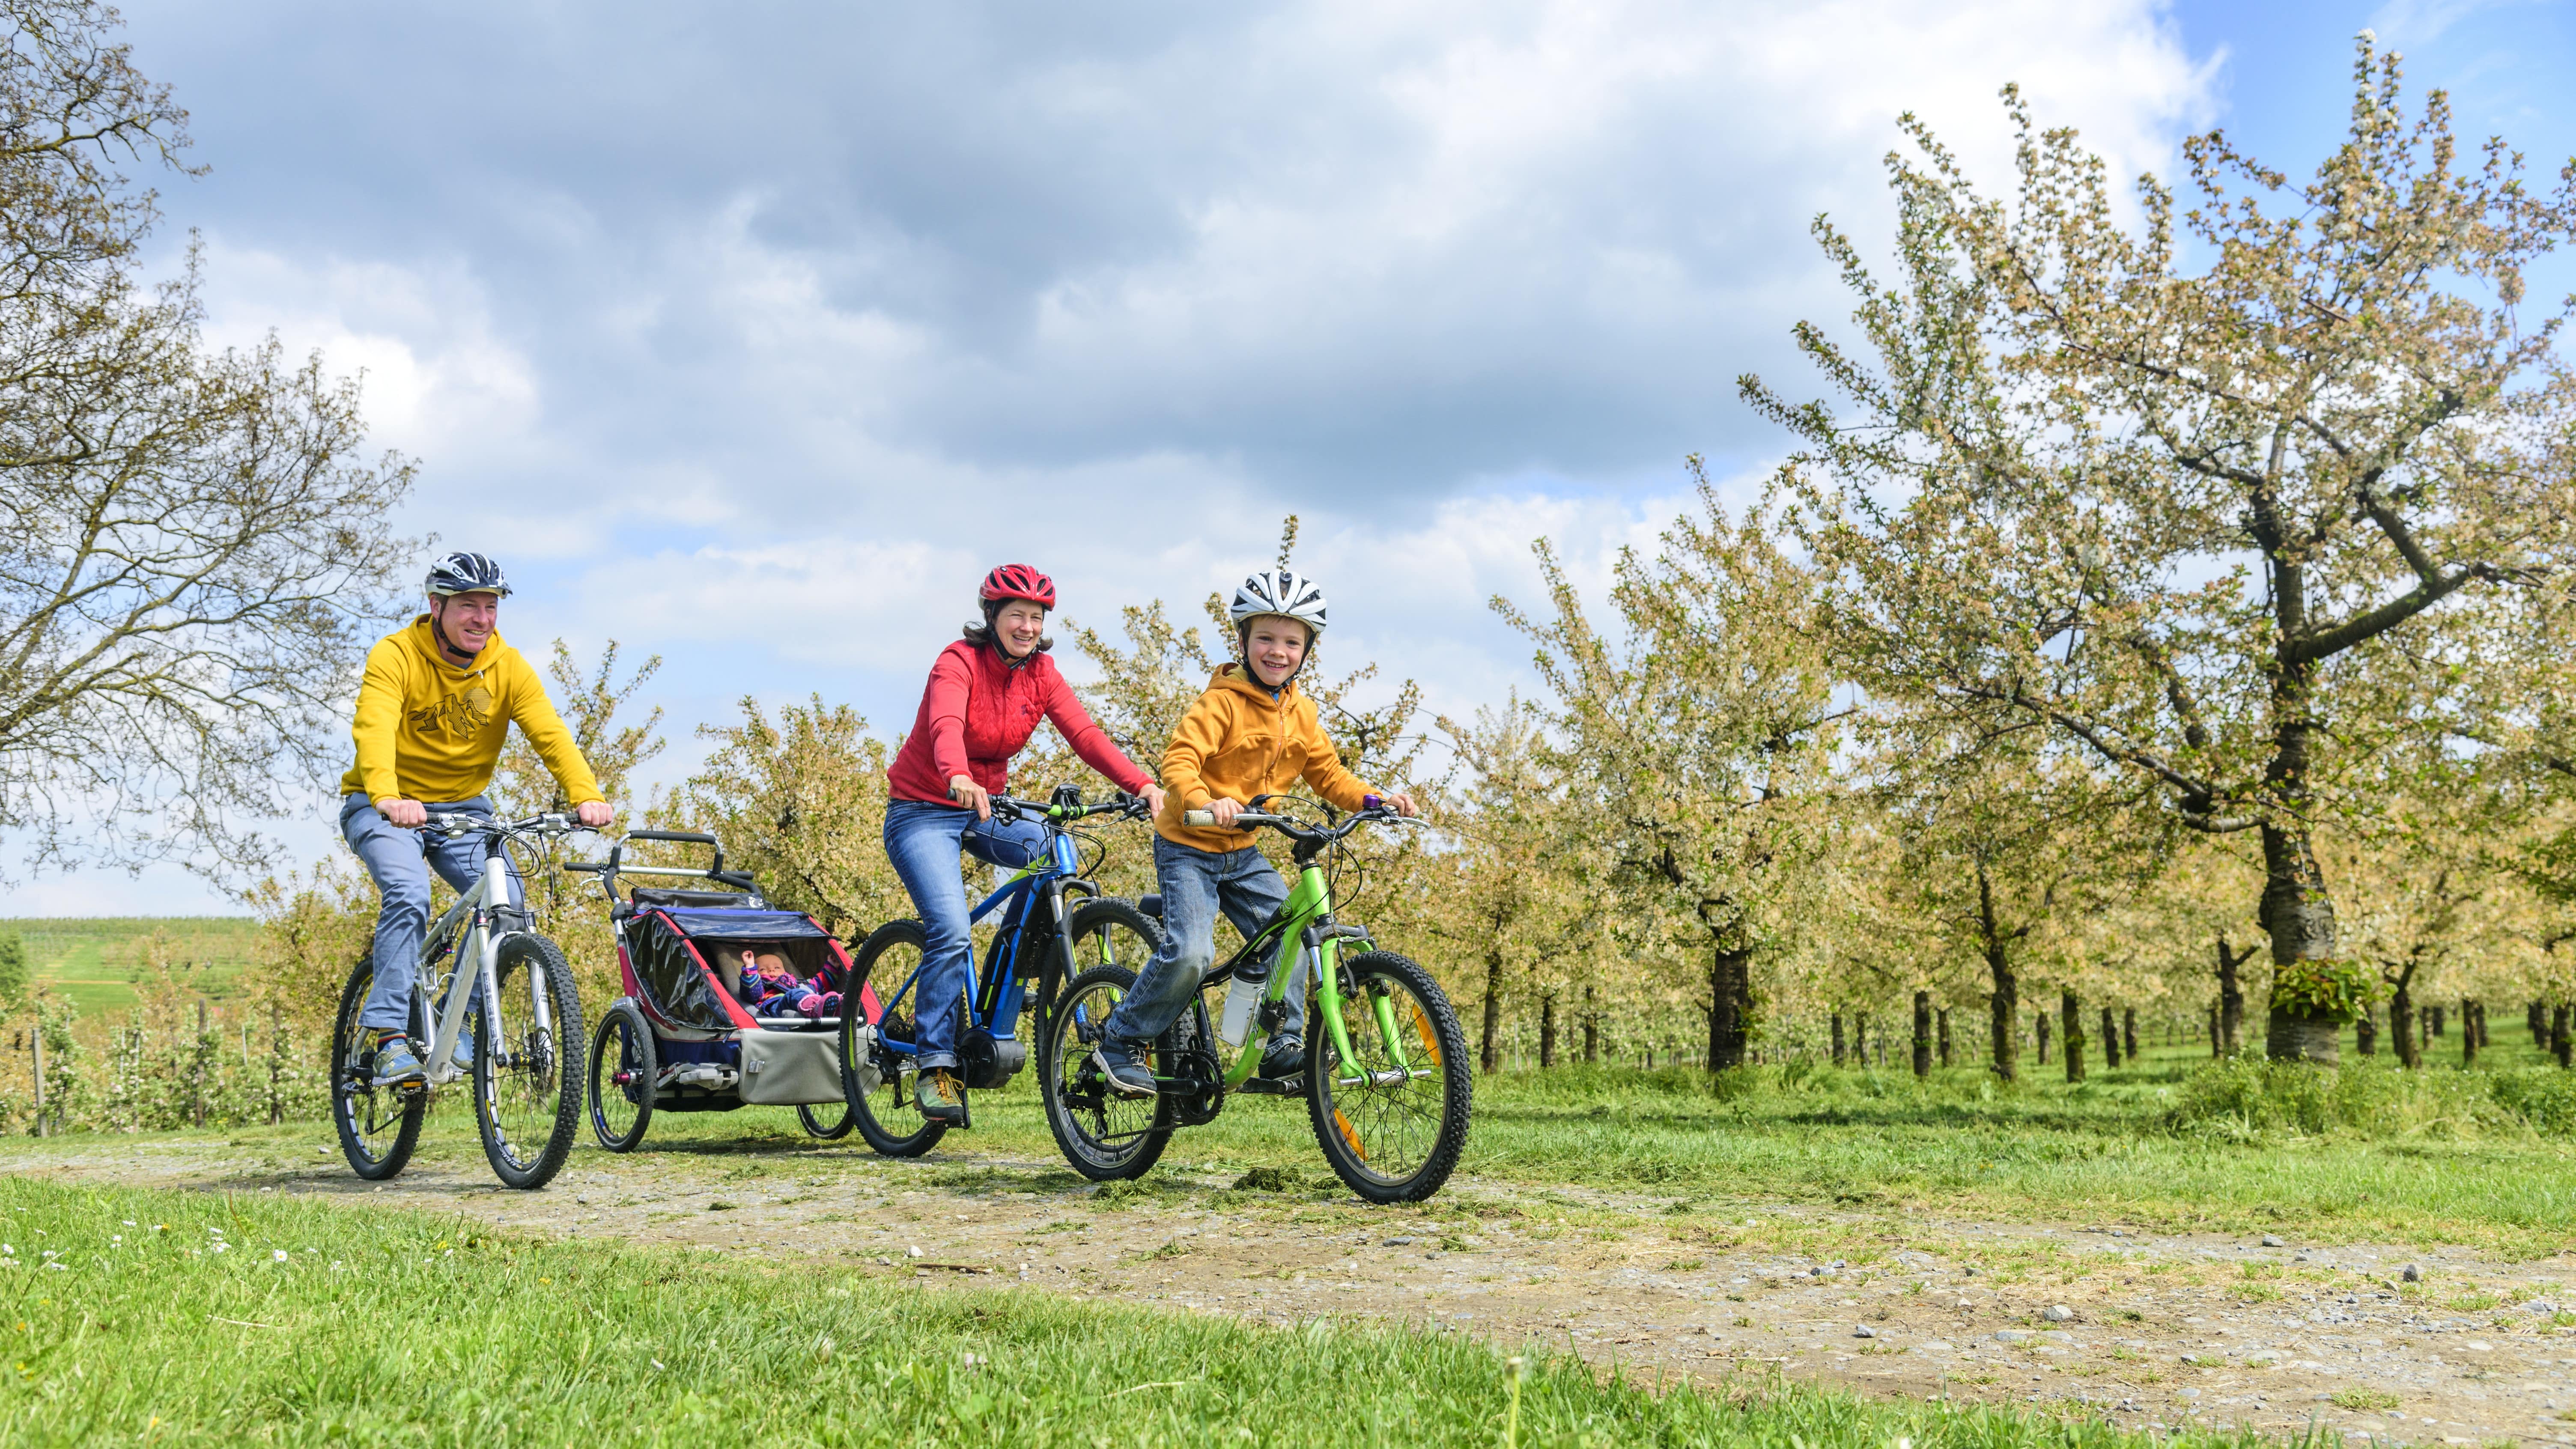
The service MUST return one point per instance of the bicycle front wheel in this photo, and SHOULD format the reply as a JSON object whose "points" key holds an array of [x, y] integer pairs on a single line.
{"points": [[378, 1126], [527, 1100], [1393, 1119]]}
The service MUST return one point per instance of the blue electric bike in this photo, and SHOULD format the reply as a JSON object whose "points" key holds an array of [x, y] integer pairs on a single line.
{"points": [[1054, 923]]}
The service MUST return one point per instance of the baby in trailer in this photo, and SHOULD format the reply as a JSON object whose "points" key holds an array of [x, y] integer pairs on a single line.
{"points": [[765, 984]]}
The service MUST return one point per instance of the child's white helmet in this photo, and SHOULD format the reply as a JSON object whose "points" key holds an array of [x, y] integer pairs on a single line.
{"points": [[1284, 592]]}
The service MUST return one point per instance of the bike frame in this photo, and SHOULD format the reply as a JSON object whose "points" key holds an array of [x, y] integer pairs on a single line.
{"points": [[1305, 927], [475, 927], [993, 995]]}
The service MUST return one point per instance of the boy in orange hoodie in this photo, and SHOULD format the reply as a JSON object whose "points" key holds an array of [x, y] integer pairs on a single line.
{"points": [[1251, 734]]}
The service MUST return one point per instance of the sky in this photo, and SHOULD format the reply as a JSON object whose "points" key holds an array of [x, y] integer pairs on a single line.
{"points": [[750, 336]]}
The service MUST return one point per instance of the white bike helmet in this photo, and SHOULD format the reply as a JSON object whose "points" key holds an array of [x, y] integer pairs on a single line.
{"points": [[466, 573], [1284, 592]]}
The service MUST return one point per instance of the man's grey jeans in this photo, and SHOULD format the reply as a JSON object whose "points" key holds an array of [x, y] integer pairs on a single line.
{"points": [[400, 861]]}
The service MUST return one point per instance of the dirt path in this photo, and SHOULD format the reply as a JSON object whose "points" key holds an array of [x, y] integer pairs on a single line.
{"points": [[2162, 1329]]}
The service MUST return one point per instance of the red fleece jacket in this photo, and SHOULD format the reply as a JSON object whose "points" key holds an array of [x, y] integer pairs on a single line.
{"points": [[979, 711]]}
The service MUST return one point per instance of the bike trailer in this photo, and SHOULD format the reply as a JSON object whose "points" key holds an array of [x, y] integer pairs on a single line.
{"points": [[712, 1044]]}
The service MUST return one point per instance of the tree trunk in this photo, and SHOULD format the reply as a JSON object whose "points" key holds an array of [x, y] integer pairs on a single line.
{"points": [[2231, 998], [2071, 1034], [1730, 981], [1860, 1039], [2039, 1029], [2468, 1032], [2003, 1008], [2538, 1015], [1491, 1055], [2437, 1023], [2558, 1038], [2365, 1031], [1838, 1038], [2401, 1019], [1941, 1029], [2484, 1041], [1547, 1029], [1923, 1033], [2217, 1039], [2110, 1040], [1591, 1031], [2297, 913], [2129, 1033]]}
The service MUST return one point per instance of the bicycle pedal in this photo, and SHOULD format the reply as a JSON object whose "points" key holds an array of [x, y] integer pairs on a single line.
{"points": [[1273, 1086]]}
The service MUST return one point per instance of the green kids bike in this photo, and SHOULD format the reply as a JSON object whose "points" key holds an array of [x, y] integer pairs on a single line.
{"points": [[1386, 1075]]}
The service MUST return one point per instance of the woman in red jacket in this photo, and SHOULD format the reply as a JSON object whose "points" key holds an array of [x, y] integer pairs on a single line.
{"points": [[986, 695]]}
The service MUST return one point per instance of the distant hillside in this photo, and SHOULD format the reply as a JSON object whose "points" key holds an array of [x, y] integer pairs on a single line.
{"points": [[95, 961]]}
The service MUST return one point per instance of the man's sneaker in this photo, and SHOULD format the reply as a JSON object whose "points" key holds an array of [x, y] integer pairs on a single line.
{"points": [[396, 1064], [939, 1096], [1126, 1076], [1284, 1058]]}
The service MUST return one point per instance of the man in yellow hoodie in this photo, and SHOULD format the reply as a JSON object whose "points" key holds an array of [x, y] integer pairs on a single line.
{"points": [[434, 707], [1252, 733]]}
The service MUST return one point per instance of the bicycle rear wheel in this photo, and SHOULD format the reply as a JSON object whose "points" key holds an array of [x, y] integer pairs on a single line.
{"points": [[1394, 1130], [1102, 1134], [527, 1103], [378, 1126], [885, 1115]]}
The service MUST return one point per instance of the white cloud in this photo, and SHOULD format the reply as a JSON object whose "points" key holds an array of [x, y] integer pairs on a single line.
{"points": [[754, 341]]}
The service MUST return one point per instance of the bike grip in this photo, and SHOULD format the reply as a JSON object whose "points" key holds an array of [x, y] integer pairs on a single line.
{"points": [[680, 837], [1198, 817], [575, 867]]}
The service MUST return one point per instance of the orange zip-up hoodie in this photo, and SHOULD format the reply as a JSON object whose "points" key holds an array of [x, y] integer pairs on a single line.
{"points": [[1239, 741]]}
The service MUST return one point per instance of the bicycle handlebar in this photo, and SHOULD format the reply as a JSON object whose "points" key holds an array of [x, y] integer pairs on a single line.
{"points": [[1294, 828], [458, 822], [1009, 807]]}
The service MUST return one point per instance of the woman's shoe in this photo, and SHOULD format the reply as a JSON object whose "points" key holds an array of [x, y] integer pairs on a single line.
{"points": [[940, 1096]]}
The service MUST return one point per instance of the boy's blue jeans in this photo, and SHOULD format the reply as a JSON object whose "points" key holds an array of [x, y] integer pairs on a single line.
{"points": [[1196, 884], [400, 862], [923, 840]]}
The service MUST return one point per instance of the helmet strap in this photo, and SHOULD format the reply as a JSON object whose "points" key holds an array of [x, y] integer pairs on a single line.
{"points": [[1243, 650], [445, 645]]}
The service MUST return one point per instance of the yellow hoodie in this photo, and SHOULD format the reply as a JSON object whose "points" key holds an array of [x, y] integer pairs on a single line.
{"points": [[428, 729], [1238, 741]]}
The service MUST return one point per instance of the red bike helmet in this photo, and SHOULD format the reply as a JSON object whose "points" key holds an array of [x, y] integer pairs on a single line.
{"points": [[1019, 581]]}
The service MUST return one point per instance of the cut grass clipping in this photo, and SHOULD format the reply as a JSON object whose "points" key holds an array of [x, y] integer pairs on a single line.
{"points": [[195, 1318]]}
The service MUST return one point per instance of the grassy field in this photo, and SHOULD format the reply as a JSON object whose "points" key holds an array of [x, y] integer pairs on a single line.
{"points": [[136, 1316], [2436, 1162], [96, 962]]}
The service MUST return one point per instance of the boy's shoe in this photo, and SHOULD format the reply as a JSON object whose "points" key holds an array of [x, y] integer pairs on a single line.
{"points": [[1284, 1058], [939, 1096], [464, 1053], [1118, 1065], [397, 1065]]}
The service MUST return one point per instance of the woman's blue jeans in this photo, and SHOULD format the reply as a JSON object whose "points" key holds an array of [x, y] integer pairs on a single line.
{"points": [[924, 841]]}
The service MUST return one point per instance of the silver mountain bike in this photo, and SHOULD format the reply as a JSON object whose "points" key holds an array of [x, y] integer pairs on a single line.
{"points": [[492, 1001]]}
